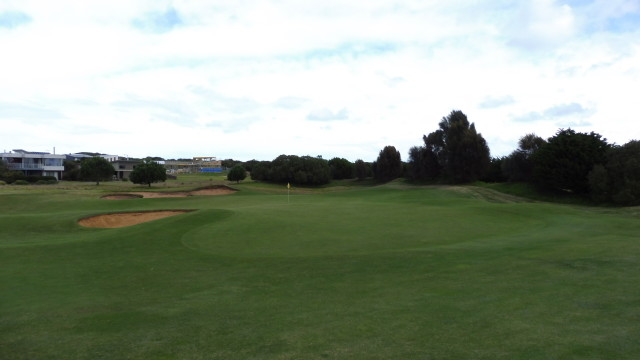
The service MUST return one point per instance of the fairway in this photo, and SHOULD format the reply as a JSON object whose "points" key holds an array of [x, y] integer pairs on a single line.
{"points": [[392, 271]]}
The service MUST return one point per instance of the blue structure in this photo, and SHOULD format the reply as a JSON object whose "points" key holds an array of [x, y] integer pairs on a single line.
{"points": [[210, 170]]}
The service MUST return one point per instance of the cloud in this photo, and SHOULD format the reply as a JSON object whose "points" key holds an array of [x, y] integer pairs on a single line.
{"points": [[565, 110], [13, 19], [352, 50], [325, 114], [233, 125], [573, 123], [393, 82], [570, 110], [541, 24], [290, 102], [617, 16], [170, 110], [30, 111], [159, 22], [495, 102]]}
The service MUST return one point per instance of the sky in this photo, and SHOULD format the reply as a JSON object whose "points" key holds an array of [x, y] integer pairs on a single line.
{"points": [[254, 79]]}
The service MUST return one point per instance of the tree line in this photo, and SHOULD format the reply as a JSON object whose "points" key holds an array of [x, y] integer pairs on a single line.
{"points": [[570, 162]]}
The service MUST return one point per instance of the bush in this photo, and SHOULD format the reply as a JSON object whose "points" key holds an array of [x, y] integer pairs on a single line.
{"points": [[564, 162], [305, 170], [148, 172], [21, 182], [617, 180], [2, 182], [237, 173], [341, 169]]}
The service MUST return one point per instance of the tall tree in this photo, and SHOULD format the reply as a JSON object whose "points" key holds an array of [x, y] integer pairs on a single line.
{"points": [[148, 172], [96, 169], [564, 162], [465, 152], [456, 151], [388, 166]]}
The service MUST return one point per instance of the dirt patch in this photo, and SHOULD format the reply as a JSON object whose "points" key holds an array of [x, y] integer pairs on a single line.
{"points": [[213, 191], [207, 191], [122, 196], [173, 194], [118, 220]]}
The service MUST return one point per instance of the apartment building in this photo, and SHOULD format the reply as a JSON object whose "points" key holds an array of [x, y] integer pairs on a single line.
{"points": [[35, 163]]}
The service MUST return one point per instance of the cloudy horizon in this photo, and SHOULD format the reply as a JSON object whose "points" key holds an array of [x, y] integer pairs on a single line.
{"points": [[256, 79]]}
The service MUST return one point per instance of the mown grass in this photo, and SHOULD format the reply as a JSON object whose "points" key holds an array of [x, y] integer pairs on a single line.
{"points": [[358, 272]]}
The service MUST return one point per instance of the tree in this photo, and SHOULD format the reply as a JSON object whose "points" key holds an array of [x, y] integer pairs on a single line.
{"points": [[618, 180], [305, 170], [71, 170], [237, 173], [465, 154], [4, 168], [341, 168], [260, 170], [423, 162], [148, 172], [363, 170], [96, 169], [518, 166], [230, 163], [456, 151], [623, 166], [388, 166], [494, 172], [564, 162]]}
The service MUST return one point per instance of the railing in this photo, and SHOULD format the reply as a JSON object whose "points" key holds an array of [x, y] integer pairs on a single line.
{"points": [[27, 166]]}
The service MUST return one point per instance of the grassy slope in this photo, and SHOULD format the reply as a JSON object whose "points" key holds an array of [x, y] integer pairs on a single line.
{"points": [[370, 273]]}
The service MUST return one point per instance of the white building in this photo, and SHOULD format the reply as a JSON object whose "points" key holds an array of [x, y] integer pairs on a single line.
{"points": [[35, 163]]}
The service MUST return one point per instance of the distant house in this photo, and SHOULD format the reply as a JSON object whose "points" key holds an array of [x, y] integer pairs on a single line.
{"points": [[77, 157], [35, 163], [124, 168]]}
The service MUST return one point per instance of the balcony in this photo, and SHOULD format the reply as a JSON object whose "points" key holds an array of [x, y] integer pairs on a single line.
{"points": [[27, 166]]}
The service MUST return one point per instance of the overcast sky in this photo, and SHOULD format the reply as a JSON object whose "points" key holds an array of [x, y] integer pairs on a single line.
{"points": [[249, 79]]}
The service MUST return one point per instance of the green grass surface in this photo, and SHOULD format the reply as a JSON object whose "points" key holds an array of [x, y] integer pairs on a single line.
{"points": [[344, 272]]}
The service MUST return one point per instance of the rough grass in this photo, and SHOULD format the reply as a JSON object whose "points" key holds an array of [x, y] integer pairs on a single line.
{"points": [[371, 272]]}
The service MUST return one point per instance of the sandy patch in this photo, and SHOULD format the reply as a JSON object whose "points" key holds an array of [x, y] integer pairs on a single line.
{"points": [[213, 191], [173, 194], [127, 219], [121, 196], [208, 191]]}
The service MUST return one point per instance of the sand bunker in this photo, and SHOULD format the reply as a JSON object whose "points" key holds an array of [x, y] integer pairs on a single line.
{"points": [[208, 191], [127, 219]]}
